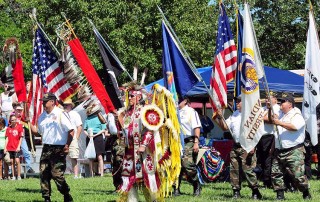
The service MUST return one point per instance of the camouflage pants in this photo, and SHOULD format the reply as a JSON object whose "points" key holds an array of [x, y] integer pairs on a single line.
{"points": [[189, 167], [239, 158], [117, 158], [53, 166], [293, 162]]}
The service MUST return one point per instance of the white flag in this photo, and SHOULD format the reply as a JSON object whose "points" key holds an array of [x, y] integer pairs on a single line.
{"points": [[311, 95], [251, 71]]}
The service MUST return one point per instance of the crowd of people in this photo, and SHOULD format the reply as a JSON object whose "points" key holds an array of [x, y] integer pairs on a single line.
{"points": [[15, 136], [280, 153]]}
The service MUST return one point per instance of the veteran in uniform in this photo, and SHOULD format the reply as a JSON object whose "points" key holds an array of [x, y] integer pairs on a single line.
{"points": [[190, 127], [289, 153], [239, 158], [56, 132]]}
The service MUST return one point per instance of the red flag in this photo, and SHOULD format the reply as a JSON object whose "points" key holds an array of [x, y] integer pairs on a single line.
{"points": [[225, 62], [18, 80], [91, 74]]}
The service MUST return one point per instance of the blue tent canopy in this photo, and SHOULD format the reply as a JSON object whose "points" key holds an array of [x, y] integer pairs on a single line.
{"points": [[278, 81]]}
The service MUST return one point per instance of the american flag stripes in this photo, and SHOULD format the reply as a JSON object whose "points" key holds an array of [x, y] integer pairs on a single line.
{"points": [[225, 62], [47, 75]]}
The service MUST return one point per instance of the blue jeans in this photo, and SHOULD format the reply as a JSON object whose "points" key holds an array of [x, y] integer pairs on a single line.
{"points": [[26, 153]]}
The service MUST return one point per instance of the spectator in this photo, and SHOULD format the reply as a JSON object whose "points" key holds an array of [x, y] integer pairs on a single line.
{"points": [[93, 123], [25, 142], [7, 98], [206, 123], [2, 146], [76, 121], [4, 118], [14, 135]]}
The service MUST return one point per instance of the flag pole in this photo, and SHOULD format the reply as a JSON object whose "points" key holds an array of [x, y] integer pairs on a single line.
{"points": [[34, 19], [185, 54], [111, 51], [188, 60]]}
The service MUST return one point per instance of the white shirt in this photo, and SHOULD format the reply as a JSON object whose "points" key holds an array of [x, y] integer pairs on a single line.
{"points": [[75, 121], [54, 127], [270, 128], [6, 102], [189, 121], [291, 138], [234, 122]]}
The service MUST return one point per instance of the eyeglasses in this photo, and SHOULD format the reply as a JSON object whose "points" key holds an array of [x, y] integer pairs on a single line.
{"points": [[132, 96]]}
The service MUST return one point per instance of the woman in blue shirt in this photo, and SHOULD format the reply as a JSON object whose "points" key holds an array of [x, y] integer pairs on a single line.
{"points": [[93, 123]]}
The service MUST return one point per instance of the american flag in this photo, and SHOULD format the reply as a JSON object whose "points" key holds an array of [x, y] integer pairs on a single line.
{"points": [[225, 62], [47, 75]]}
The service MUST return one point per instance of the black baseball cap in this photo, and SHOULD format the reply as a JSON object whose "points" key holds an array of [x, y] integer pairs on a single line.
{"points": [[48, 96], [287, 97]]}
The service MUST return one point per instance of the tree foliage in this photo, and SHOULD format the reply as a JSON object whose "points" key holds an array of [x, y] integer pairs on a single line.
{"points": [[132, 28]]}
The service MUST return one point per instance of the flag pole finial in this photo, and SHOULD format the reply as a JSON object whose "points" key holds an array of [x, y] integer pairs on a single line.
{"points": [[310, 4], [34, 19], [68, 24]]}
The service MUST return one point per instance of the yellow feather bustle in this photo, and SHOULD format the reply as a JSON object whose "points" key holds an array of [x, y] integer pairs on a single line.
{"points": [[168, 148]]}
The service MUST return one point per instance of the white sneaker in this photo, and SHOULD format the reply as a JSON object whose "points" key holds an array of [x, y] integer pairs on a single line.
{"points": [[75, 177], [19, 178], [13, 178]]}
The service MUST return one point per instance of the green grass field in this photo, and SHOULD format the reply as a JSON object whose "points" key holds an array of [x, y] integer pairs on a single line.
{"points": [[101, 189]]}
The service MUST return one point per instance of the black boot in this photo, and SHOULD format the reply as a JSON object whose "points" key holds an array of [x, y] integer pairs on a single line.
{"points": [[236, 194], [176, 191], [256, 194], [196, 188], [306, 195], [67, 198], [280, 195], [47, 199]]}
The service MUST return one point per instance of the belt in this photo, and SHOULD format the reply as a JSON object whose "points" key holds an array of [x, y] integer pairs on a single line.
{"points": [[291, 148], [53, 146]]}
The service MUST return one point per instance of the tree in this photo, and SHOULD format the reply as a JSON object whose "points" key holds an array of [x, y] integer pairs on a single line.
{"points": [[133, 29]]}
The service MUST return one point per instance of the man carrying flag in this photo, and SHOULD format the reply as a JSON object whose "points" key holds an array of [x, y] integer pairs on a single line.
{"points": [[245, 122]]}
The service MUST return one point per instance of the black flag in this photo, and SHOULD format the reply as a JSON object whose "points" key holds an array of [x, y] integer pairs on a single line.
{"points": [[114, 69]]}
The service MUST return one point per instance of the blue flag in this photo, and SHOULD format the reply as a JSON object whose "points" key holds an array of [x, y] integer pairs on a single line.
{"points": [[237, 81], [177, 74]]}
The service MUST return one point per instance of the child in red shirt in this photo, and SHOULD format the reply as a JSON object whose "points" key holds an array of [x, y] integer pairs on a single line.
{"points": [[14, 135]]}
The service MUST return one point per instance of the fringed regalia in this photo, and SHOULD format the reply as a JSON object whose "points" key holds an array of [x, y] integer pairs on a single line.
{"points": [[154, 126]]}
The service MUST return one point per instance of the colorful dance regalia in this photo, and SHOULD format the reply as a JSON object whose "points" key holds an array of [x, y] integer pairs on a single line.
{"points": [[138, 168]]}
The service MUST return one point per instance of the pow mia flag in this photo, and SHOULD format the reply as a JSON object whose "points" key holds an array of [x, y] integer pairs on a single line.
{"points": [[311, 96]]}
